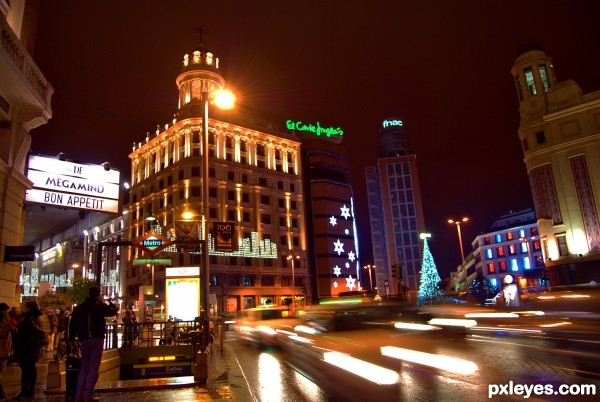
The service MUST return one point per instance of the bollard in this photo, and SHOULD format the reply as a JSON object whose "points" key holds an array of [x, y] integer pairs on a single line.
{"points": [[54, 377], [201, 366], [221, 337]]}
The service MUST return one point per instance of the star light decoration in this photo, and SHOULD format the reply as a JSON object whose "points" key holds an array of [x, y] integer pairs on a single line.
{"points": [[343, 225]]}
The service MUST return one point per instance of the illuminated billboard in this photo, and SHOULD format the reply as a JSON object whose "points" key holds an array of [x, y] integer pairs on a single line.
{"points": [[183, 298], [73, 185]]}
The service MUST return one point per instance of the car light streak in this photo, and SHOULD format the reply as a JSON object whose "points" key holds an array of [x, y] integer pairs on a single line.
{"points": [[369, 371], [413, 326], [506, 329], [306, 329], [446, 363], [453, 322], [492, 315], [556, 324], [266, 330]]}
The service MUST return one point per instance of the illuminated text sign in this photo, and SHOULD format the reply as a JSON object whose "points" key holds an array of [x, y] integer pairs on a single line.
{"points": [[392, 123], [73, 185], [315, 129]]}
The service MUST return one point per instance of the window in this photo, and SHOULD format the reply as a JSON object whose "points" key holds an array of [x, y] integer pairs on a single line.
{"points": [[498, 238], [267, 281], [265, 199], [230, 195], [544, 77], [502, 265], [233, 280], [529, 79], [561, 240], [286, 281], [245, 197], [246, 216], [231, 176], [260, 150], [195, 171], [540, 137], [293, 205], [487, 240], [526, 263], [523, 247], [512, 249], [534, 231], [265, 218], [244, 178], [212, 192], [281, 203], [500, 251], [231, 215], [262, 181], [521, 233], [491, 268], [509, 235], [488, 254], [248, 280]]}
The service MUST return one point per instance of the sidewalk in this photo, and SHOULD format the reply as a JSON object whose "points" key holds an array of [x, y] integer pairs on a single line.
{"points": [[225, 383]]}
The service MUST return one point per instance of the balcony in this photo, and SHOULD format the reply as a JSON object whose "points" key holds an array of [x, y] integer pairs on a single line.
{"points": [[22, 83]]}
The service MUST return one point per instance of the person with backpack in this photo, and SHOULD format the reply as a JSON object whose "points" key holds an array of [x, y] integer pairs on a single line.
{"points": [[88, 324], [28, 343]]}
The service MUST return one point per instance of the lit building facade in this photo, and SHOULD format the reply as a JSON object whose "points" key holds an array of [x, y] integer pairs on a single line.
{"points": [[396, 213], [255, 183], [560, 136], [25, 96], [333, 243]]}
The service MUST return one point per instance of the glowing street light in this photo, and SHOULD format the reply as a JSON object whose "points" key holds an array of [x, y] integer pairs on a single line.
{"points": [[370, 267], [457, 223]]}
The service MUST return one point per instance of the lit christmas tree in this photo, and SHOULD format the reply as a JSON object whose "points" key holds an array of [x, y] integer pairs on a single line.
{"points": [[429, 290]]}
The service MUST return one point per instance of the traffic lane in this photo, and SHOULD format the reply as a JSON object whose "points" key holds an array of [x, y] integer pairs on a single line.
{"points": [[269, 377], [430, 366]]}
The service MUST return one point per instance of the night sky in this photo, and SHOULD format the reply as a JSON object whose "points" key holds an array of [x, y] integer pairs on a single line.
{"points": [[443, 67]]}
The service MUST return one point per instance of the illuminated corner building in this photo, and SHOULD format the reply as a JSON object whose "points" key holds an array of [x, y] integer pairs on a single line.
{"points": [[24, 105], [396, 213], [255, 182], [510, 246], [560, 136], [333, 243]]}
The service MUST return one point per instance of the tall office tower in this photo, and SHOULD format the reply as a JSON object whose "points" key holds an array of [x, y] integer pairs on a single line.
{"points": [[560, 137], [24, 105], [396, 213], [254, 185], [333, 243]]}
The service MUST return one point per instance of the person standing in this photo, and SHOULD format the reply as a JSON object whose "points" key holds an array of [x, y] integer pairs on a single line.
{"points": [[127, 331], [45, 324], [6, 334], [53, 329], [27, 349], [88, 324]]}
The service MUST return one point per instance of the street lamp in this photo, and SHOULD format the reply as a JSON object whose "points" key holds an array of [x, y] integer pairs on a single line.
{"points": [[369, 267], [86, 240], [292, 258], [457, 223], [223, 99]]}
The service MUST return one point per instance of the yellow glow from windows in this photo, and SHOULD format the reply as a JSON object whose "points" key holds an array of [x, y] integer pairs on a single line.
{"points": [[579, 244]]}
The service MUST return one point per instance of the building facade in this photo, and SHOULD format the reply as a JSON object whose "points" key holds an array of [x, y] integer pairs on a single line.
{"points": [[254, 184], [25, 96], [333, 244], [560, 136], [396, 213]]}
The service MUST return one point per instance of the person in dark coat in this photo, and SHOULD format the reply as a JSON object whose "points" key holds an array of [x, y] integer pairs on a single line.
{"points": [[88, 324], [27, 350]]}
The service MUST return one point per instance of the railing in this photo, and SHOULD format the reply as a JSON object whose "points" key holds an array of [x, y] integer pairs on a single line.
{"points": [[154, 333]]}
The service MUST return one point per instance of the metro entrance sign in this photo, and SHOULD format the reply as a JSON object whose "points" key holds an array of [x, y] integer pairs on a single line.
{"points": [[152, 242]]}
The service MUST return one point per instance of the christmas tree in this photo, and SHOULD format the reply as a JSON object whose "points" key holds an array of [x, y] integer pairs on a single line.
{"points": [[429, 290]]}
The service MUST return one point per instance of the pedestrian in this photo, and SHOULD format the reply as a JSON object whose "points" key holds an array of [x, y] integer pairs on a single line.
{"points": [[53, 330], [89, 325], [44, 322], [28, 342], [127, 330], [6, 334]]}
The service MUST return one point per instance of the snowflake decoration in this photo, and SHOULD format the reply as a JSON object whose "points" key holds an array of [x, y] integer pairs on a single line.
{"points": [[337, 271], [335, 284], [339, 247], [351, 256], [350, 282], [345, 211], [346, 232], [333, 221]]}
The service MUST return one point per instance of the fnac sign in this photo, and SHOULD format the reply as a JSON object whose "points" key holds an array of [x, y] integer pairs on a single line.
{"points": [[152, 243]]}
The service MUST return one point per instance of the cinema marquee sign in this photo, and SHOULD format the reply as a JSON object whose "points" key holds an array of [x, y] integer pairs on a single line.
{"points": [[73, 185]]}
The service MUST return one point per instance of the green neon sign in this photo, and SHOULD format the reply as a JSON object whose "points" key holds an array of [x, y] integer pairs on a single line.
{"points": [[315, 129]]}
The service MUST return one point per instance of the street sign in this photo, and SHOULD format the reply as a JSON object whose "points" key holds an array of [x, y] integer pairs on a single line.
{"points": [[19, 253], [153, 261], [152, 242]]}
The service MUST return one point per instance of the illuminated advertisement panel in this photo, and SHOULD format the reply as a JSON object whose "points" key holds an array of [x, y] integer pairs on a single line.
{"points": [[183, 298], [73, 185]]}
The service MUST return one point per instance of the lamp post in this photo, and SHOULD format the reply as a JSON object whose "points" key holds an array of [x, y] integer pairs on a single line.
{"points": [[457, 223], [223, 99], [86, 240], [292, 258], [369, 267]]}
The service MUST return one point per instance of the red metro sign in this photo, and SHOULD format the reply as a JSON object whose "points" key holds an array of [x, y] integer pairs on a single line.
{"points": [[152, 243]]}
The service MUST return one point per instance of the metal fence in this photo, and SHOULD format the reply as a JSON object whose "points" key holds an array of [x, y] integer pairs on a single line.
{"points": [[154, 333]]}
